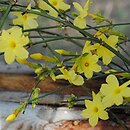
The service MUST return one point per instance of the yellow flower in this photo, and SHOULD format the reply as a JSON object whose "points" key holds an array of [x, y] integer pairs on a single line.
{"points": [[110, 71], [12, 43], [123, 74], [113, 93], [11, 117], [80, 20], [27, 20], [39, 56], [103, 52], [17, 111], [23, 61], [87, 64], [58, 4], [88, 48], [94, 110], [63, 52], [71, 76]]}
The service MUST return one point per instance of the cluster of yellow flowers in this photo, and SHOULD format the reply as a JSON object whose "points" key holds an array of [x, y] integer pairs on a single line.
{"points": [[28, 21], [110, 94], [87, 62], [94, 54]]}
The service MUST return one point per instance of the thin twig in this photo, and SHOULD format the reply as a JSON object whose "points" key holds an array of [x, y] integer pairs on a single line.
{"points": [[52, 92], [121, 122], [31, 95], [2, 21]]}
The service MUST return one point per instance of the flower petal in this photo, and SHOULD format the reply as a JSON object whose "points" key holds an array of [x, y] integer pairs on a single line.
{"points": [[112, 40], [78, 6], [2, 47], [103, 115], [21, 53], [108, 101], [85, 113], [24, 41], [78, 80], [93, 120], [88, 103], [107, 57], [126, 92], [86, 7], [52, 12], [17, 21], [15, 32], [43, 5], [118, 100], [105, 89], [112, 81], [70, 73], [60, 77], [92, 58], [80, 22], [9, 56], [30, 24], [96, 68], [88, 73], [4, 38], [125, 84], [64, 6]]}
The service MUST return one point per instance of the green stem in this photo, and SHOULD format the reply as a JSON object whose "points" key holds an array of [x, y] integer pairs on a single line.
{"points": [[55, 39], [67, 37], [52, 51], [2, 21], [84, 33], [86, 24], [44, 41], [1, 53], [50, 33], [108, 25], [121, 122], [118, 65], [54, 8], [76, 43], [81, 31], [103, 75], [41, 28], [124, 50], [4, 2], [117, 53], [126, 66], [31, 95], [52, 92], [66, 23]]}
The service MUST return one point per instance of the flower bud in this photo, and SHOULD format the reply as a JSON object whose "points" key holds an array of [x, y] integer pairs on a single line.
{"points": [[63, 52], [11, 117], [38, 56]]}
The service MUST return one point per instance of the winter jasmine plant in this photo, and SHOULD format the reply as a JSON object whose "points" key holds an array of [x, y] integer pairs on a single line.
{"points": [[93, 60]]}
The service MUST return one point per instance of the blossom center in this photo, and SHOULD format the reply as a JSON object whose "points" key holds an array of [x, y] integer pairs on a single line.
{"points": [[12, 44], [117, 91], [95, 109], [86, 64], [25, 17], [54, 2]]}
